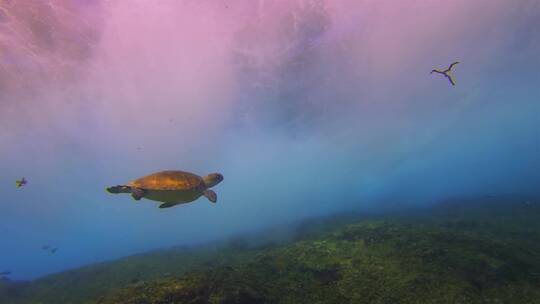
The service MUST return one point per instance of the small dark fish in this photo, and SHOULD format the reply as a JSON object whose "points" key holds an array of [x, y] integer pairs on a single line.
{"points": [[5, 273], [45, 247], [54, 250], [21, 182]]}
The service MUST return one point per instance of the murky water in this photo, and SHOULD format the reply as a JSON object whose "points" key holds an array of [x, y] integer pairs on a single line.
{"points": [[418, 119]]}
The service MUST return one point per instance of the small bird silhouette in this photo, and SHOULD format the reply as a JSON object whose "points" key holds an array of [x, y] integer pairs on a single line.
{"points": [[446, 73], [21, 182]]}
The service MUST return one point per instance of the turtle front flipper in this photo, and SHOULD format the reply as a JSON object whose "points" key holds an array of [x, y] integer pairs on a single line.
{"points": [[137, 193], [119, 189], [210, 195]]}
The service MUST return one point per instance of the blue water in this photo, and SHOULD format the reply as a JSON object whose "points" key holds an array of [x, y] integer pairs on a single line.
{"points": [[330, 109]]}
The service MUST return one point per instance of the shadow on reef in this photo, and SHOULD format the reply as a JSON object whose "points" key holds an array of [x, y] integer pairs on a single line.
{"points": [[458, 253]]}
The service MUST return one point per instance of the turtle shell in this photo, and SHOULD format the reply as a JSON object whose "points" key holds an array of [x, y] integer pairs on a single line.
{"points": [[168, 180]]}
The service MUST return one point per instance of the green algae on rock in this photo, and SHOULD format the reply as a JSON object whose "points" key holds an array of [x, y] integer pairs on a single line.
{"points": [[465, 255], [374, 261]]}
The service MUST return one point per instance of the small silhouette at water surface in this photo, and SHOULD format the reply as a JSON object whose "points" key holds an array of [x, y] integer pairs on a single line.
{"points": [[446, 73]]}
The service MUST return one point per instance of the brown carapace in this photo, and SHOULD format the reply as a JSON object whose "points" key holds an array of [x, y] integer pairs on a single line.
{"points": [[171, 187]]}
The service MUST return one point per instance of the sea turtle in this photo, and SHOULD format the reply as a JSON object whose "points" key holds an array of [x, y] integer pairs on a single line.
{"points": [[171, 187]]}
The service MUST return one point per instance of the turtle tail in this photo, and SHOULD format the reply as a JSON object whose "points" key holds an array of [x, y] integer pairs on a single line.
{"points": [[119, 189]]}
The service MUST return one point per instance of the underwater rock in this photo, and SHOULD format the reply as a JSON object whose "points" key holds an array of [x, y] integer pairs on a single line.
{"points": [[411, 260]]}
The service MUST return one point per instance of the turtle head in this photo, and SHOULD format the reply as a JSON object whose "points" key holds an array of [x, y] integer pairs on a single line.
{"points": [[119, 189], [212, 179]]}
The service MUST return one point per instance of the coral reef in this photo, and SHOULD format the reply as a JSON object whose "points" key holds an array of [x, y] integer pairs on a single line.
{"points": [[454, 254]]}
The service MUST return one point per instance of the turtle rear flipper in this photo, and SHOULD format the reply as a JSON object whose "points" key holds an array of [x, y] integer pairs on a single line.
{"points": [[210, 195], [137, 193], [167, 205]]}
